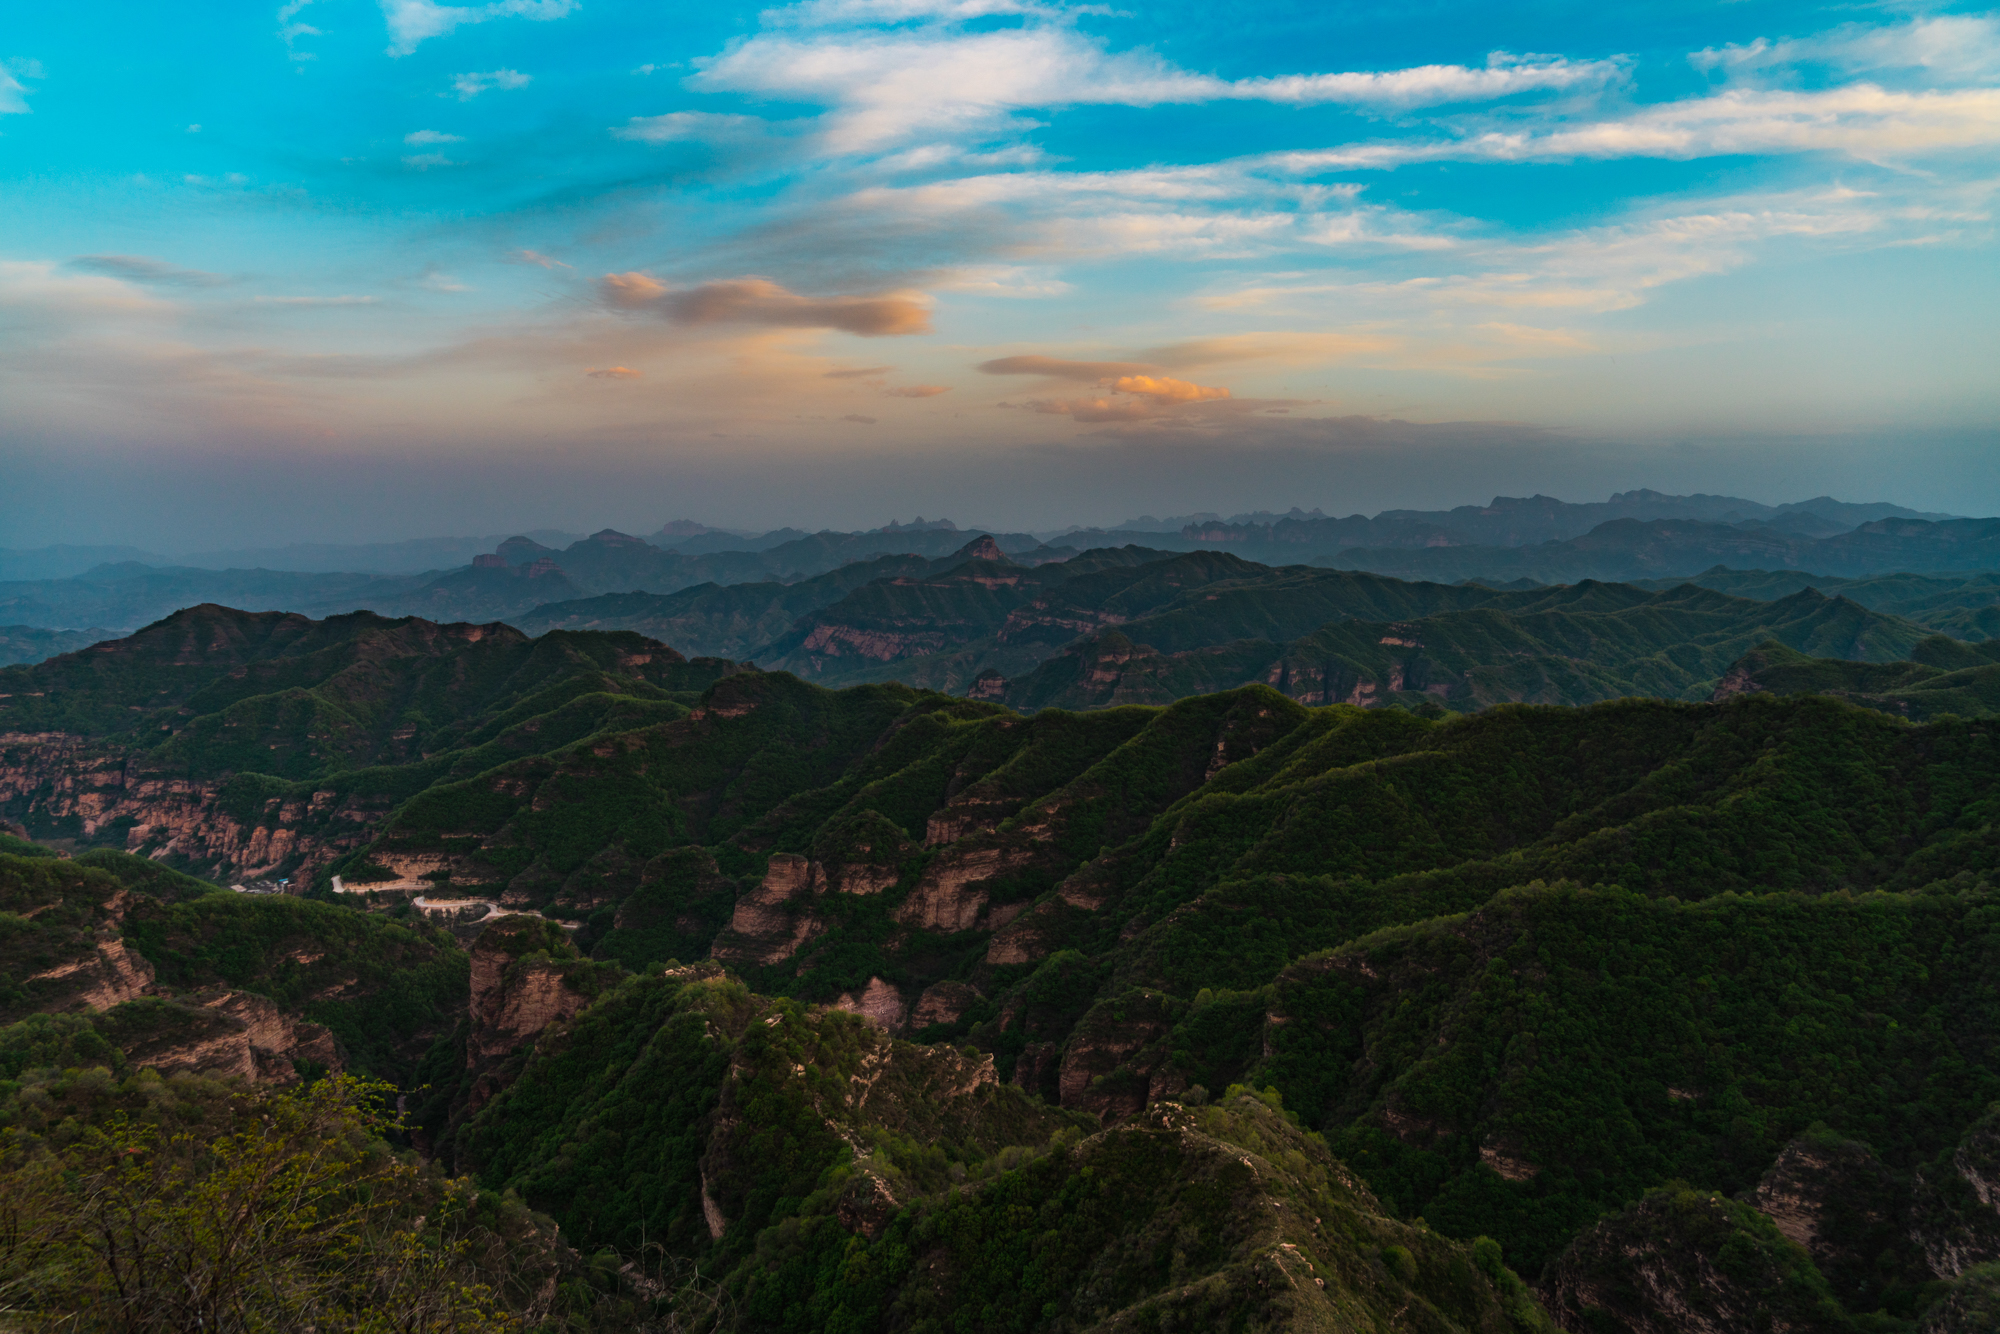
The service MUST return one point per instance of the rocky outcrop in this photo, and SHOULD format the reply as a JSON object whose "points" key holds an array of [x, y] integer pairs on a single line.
{"points": [[880, 1003], [942, 1003], [953, 893], [1116, 1060], [1740, 679], [774, 919], [525, 976], [223, 1033], [1850, 1213], [110, 975], [836, 641], [1957, 1214], [60, 779], [1653, 1269]]}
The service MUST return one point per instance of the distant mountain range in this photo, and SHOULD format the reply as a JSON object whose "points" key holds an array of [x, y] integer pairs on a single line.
{"points": [[737, 594]]}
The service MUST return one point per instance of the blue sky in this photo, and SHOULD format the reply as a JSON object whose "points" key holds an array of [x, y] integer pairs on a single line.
{"points": [[436, 267]]}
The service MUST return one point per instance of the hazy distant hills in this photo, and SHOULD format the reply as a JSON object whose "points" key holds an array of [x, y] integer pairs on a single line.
{"points": [[773, 596], [27, 643], [1132, 625], [1642, 549]]}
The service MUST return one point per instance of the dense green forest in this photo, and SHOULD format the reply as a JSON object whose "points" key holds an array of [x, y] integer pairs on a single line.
{"points": [[880, 1008]]}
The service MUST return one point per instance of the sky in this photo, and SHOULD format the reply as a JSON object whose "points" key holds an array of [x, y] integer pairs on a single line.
{"points": [[369, 269]]}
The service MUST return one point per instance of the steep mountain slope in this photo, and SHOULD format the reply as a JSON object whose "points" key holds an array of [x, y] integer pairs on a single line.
{"points": [[1565, 645], [1518, 968], [257, 743], [1964, 606], [1942, 676], [1575, 954]]}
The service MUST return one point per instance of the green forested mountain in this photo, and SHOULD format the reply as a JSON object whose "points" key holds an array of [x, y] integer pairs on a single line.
{"points": [[876, 1006], [1518, 968], [1963, 606], [1566, 645], [1130, 625], [1942, 676]]}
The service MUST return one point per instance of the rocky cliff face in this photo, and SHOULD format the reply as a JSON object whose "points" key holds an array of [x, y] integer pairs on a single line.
{"points": [[1957, 1213], [109, 974], [1656, 1269], [1850, 1213], [774, 919], [63, 784], [231, 1034], [525, 976]]}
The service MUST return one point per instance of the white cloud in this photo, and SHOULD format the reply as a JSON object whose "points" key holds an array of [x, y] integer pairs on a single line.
{"points": [[838, 13], [425, 161], [882, 89], [1861, 120], [1603, 269], [469, 86], [412, 22], [1958, 47], [677, 126], [432, 137], [290, 31], [1503, 75], [14, 97]]}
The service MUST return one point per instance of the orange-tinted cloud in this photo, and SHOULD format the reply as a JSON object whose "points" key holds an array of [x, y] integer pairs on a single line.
{"points": [[616, 373], [761, 301], [631, 291], [1166, 389], [537, 258], [857, 417], [858, 372], [1139, 390], [1058, 368], [918, 391]]}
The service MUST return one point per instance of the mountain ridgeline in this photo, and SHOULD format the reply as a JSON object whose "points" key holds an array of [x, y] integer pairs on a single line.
{"points": [[1633, 535]]}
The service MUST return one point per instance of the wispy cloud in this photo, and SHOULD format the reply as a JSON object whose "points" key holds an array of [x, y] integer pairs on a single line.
{"points": [[883, 89], [469, 86], [615, 373], [917, 391], [1862, 120], [413, 22], [1954, 47], [761, 301], [838, 13], [1061, 368], [146, 269], [13, 96], [290, 29], [678, 126], [432, 137]]}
